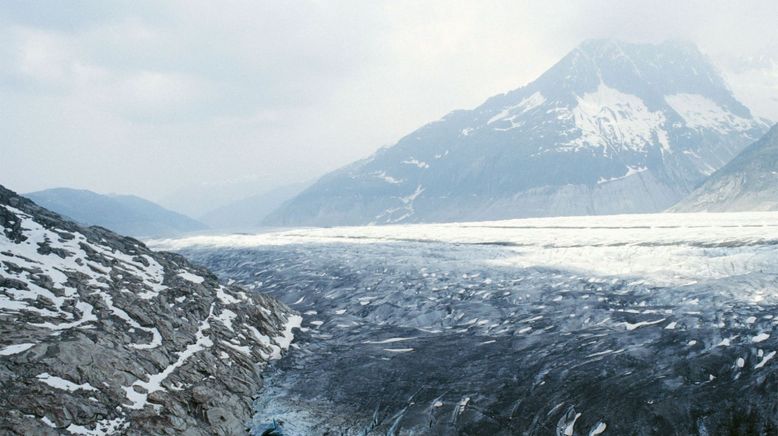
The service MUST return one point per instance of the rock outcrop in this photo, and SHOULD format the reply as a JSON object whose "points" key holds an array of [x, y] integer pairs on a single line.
{"points": [[99, 334]]}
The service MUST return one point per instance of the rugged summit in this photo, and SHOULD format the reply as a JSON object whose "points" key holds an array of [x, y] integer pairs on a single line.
{"points": [[748, 183], [125, 214], [613, 127], [99, 334]]}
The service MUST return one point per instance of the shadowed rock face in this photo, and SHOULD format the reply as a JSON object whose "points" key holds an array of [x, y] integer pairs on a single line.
{"points": [[100, 334], [748, 183], [415, 337]]}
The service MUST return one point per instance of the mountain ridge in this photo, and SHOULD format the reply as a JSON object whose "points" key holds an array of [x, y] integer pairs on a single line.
{"points": [[126, 214], [612, 127], [749, 182]]}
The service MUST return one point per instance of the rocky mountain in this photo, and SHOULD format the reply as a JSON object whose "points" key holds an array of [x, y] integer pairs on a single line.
{"points": [[99, 334], [748, 183], [248, 213], [125, 214], [613, 127]]}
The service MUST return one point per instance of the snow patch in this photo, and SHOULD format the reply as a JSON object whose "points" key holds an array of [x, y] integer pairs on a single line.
{"points": [[16, 349], [418, 163], [138, 400], [386, 178], [611, 120], [61, 383], [631, 171], [194, 278], [699, 112], [511, 113]]}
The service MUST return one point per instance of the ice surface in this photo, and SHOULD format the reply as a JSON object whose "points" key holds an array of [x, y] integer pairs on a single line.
{"points": [[671, 310], [661, 248]]}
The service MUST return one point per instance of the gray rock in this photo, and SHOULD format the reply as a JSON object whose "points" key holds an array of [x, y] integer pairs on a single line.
{"points": [[748, 183], [99, 333]]}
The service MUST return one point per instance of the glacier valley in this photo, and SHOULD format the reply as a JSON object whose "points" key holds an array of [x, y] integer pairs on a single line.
{"points": [[631, 324]]}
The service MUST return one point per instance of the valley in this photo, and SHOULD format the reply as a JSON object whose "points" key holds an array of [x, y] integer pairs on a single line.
{"points": [[640, 324]]}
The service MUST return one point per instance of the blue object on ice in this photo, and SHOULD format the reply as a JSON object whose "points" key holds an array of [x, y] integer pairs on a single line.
{"points": [[272, 430]]}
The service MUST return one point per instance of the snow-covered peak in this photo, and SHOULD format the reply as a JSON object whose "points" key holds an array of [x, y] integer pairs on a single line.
{"points": [[648, 71], [651, 120]]}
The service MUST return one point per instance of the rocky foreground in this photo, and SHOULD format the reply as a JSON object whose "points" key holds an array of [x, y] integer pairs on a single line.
{"points": [[101, 335]]}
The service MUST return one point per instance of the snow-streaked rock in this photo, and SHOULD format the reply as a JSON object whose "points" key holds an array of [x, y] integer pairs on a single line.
{"points": [[100, 335]]}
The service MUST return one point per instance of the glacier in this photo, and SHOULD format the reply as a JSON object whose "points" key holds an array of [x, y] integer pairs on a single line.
{"points": [[626, 324]]}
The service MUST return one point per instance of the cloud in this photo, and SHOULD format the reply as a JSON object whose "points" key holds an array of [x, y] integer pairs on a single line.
{"points": [[147, 97]]}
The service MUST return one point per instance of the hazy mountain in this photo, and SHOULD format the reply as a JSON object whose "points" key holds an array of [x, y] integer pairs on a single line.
{"points": [[199, 199], [754, 79], [613, 127], [748, 183], [101, 335], [248, 213], [126, 214]]}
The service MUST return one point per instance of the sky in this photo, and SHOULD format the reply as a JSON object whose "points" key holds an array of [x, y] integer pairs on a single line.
{"points": [[162, 99]]}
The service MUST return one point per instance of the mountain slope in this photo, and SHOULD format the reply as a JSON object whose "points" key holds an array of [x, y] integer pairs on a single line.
{"points": [[125, 214], [248, 213], [99, 334], [612, 127], [748, 183]]}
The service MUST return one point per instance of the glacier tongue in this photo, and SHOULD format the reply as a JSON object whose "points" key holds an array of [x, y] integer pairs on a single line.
{"points": [[520, 326]]}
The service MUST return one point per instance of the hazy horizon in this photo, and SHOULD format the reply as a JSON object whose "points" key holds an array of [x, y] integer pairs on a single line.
{"points": [[152, 100]]}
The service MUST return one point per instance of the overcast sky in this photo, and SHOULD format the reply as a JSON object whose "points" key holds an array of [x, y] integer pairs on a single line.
{"points": [[150, 97]]}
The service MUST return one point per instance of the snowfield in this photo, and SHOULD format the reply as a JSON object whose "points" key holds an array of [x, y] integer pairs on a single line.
{"points": [[633, 324], [659, 248]]}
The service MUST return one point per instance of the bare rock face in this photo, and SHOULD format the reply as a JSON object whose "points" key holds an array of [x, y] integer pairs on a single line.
{"points": [[101, 335]]}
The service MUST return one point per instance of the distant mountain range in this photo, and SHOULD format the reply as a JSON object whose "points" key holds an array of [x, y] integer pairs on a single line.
{"points": [[748, 183], [613, 127], [248, 213], [126, 214]]}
